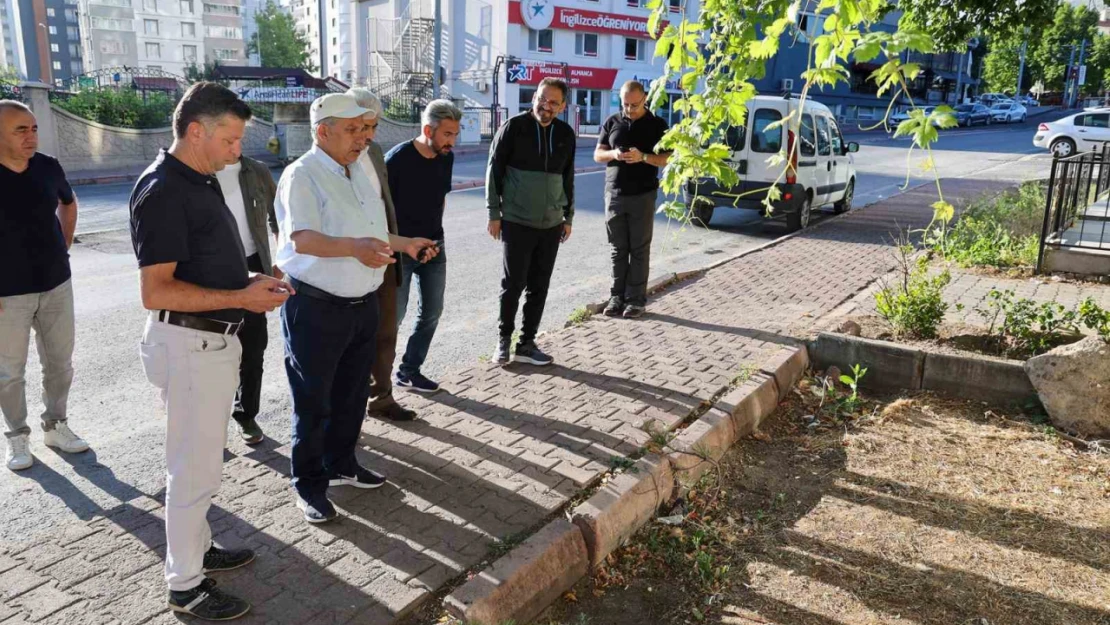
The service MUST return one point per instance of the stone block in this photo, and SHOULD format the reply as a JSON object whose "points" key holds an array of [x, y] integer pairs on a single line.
{"points": [[660, 282], [977, 377], [1073, 382], [787, 366], [750, 403], [890, 366], [702, 442], [623, 505], [520, 585]]}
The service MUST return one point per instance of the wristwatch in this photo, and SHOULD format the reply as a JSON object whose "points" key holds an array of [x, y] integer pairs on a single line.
{"points": [[643, 157]]}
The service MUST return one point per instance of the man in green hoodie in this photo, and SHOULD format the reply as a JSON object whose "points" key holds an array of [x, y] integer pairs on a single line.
{"points": [[530, 198]]}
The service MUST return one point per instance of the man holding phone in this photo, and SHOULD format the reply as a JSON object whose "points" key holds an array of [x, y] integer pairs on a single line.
{"points": [[627, 145], [419, 181]]}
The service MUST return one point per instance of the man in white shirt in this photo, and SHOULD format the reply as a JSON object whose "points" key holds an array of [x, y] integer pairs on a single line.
{"points": [[334, 245], [249, 191]]}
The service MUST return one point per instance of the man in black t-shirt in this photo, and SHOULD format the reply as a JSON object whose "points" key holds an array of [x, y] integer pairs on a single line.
{"points": [[419, 181], [37, 218], [627, 145], [195, 282]]}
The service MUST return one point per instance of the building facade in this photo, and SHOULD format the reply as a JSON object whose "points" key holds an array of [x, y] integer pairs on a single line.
{"points": [[223, 32], [42, 39], [111, 37]]}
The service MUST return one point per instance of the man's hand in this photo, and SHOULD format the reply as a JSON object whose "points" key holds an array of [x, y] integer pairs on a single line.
{"points": [[633, 155], [415, 245], [279, 274], [373, 253], [265, 294], [566, 233], [494, 229]]}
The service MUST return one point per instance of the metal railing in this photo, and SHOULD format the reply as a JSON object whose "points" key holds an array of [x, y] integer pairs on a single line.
{"points": [[489, 119], [1077, 206]]}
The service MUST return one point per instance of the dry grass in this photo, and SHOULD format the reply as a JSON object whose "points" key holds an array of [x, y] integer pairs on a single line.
{"points": [[919, 510]]}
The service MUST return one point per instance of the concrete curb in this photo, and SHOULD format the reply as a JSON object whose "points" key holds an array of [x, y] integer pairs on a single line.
{"points": [[895, 367], [520, 585]]}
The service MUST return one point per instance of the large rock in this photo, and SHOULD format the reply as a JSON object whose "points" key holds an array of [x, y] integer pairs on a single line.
{"points": [[1073, 382]]}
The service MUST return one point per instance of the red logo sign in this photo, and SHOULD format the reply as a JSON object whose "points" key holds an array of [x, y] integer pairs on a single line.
{"points": [[589, 21], [577, 77]]}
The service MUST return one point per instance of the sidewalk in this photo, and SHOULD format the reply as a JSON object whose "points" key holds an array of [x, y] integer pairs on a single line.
{"points": [[498, 451]]}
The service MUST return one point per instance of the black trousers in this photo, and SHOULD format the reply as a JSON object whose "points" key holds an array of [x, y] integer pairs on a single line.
{"points": [[254, 337], [529, 259], [630, 224]]}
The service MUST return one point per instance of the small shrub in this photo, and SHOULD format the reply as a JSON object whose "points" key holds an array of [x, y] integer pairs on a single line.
{"points": [[1000, 232], [1025, 328], [915, 306], [122, 108]]}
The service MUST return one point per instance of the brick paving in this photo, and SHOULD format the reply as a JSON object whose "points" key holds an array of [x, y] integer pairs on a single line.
{"points": [[498, 451]]}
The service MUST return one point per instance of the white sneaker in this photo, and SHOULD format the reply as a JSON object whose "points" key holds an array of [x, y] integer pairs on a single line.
{"points": [[63, 438], [19, 453]]}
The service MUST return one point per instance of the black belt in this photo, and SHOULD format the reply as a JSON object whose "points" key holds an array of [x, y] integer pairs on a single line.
{"points": [[204, 324], [322, 295]]}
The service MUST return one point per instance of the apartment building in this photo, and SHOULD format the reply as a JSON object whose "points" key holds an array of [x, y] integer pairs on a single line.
{"points": [[223, 32], [111, 37], [309, 19]]}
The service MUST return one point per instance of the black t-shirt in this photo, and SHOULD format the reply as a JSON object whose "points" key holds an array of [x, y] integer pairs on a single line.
{"points": [[620, 132], [32, 249], [178, 215], [418, 186]]}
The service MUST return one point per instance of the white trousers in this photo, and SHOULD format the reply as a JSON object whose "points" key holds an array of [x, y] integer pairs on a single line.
{"points": [[198, 373]]}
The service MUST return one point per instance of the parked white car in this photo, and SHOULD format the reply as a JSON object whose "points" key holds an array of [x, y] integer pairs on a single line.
{"points": [[1080, 132], [1008, 112], [822, 169], [901, 116]]}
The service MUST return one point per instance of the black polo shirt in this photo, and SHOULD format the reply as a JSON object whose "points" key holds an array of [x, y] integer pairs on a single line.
{"points": [[32, 248], [418, 187], [621, 132], [178, 215]]}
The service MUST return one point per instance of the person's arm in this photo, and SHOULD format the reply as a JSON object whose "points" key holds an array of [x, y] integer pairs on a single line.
{"points": [[413, 246], [162, 291], [499, 152], [67, 217], [604, 152], [368, 251], [568, 189], [270, 190]]}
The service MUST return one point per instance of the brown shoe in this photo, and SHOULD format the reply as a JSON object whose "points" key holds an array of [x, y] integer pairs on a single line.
{"points": [[392, 412]]}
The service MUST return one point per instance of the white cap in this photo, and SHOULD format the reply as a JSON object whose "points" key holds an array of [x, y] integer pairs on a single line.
{"points": [[338, 105]]}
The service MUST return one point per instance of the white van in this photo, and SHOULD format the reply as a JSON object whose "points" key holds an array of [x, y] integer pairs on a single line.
{"points": [[823, 173]]}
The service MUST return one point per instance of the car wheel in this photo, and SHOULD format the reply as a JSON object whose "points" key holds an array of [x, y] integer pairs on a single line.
{"points": [[1023, 118], [799, 219], [845, 203], [1062, 147], [701, 211]]}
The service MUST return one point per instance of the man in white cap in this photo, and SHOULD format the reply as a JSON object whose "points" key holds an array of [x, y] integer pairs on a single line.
{"points": [[334, 246]]}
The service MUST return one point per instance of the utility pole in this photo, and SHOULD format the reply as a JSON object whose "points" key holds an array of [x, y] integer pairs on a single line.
{"points": [[1078, 70], [1067, 78], [959, 76], [438, 48], [1021, 66]]}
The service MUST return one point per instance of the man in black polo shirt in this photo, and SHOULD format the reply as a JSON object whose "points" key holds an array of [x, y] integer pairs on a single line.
{"points": [[627, 144], [195, 282], [37, 218]]}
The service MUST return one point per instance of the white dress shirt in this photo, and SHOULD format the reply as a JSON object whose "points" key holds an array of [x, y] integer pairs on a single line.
{"points": [[314, 193], [228, 178], [367, 166]]}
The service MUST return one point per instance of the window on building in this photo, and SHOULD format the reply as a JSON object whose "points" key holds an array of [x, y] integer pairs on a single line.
{"points": [[824, 141], [809, 26], [637, 3], [585, 44], [107, 23], [189, 54], [223, 9], [57, 66], [53, 30], [675, 5], [188, 29], [223, 32], [766, 140], [150, 5], [75, 67], [541, 40], [225, 54], [150, 27], [527, 94], [634, 49], [153, 50], [334, 41], [71, 15], [334, 22], [54, 48], [74, 35], [589, 103], [187, 7], [156, 67], [49, 12]]}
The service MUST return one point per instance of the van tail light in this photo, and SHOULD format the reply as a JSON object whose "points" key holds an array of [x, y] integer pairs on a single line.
{"points": [[1042, 127], [792, 154]]}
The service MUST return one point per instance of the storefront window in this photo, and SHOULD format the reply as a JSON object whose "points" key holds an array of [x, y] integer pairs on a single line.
{"points": [[589, 103], [526, 96]]}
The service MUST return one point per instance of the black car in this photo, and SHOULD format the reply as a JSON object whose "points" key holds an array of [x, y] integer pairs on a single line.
{"points": [[971, 114]]}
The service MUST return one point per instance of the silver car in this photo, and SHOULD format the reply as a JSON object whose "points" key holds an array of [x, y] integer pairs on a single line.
{"points": [[1008, 112]]}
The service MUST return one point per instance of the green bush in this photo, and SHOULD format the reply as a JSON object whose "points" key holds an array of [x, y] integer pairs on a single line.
{"points": [[915, 306], [999, 232], [1025, 328], [123, 108]]}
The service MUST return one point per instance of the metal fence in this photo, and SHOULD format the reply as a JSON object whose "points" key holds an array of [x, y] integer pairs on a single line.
{"points": [[1077, 207], [489, 119], [9, 91]]}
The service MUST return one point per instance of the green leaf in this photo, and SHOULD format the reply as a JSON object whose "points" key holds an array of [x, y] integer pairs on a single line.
{"points": [[764, 48], [847, 380]]}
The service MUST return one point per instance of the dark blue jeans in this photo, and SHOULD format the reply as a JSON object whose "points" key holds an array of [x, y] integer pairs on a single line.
{"points": [[329, 350], [433, 282]]}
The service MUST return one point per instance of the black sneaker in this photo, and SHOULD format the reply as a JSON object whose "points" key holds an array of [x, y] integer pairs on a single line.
{"points": [[363, 478], [208, 602], [530, 354], [615, 306], [501, 357], [632, 311], [393, 412], [319, 511], [216, 559], [250, 432], [417, 382]]}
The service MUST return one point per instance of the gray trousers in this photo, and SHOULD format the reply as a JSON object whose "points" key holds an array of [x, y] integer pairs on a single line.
{"points": [[630, 223], [50, 314]]}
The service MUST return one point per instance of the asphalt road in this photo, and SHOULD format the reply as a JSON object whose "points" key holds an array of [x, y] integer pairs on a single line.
{"points": [[114, 407]]}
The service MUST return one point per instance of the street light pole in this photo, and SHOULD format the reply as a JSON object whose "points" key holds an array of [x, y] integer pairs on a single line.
{"points": [[46, 49], [438, 48]]}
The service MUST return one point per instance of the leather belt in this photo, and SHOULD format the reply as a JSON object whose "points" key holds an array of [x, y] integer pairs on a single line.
{"points": [[193, 322], [322, 295]]}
